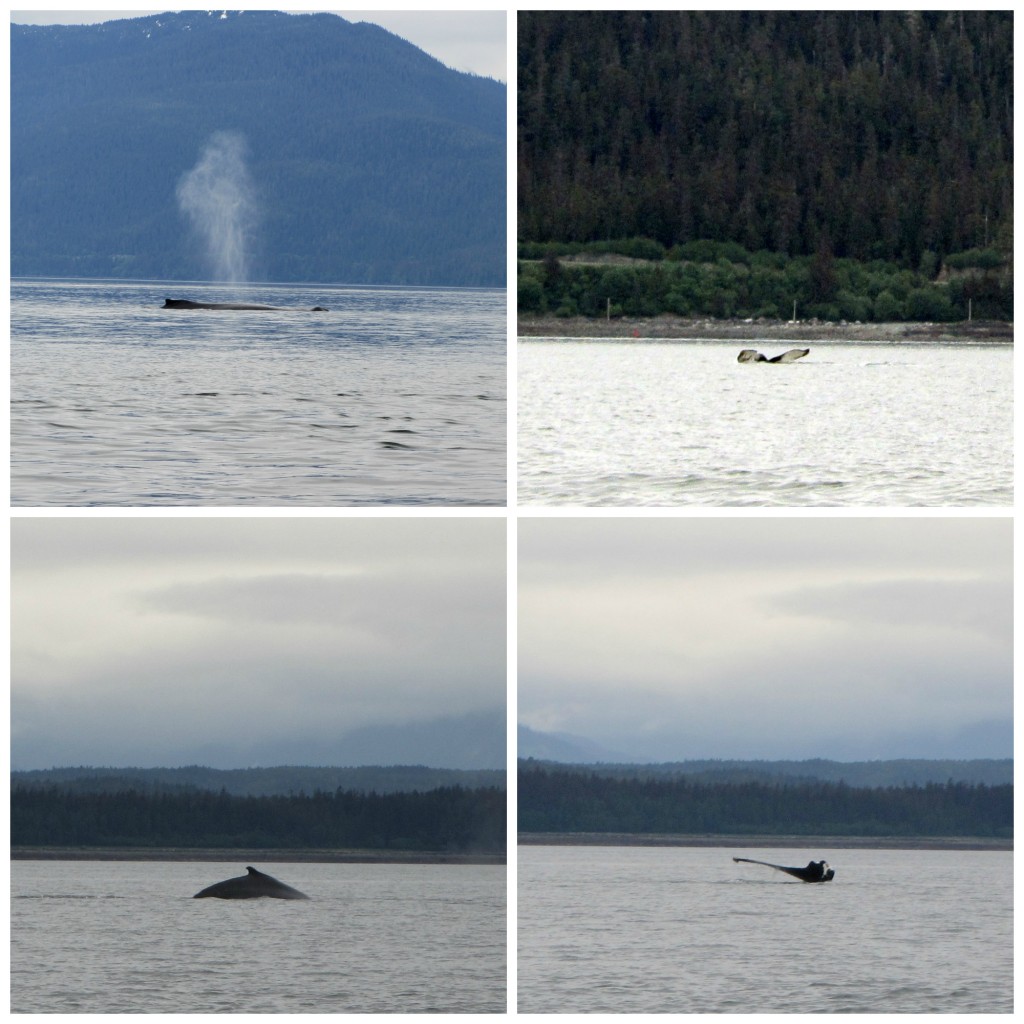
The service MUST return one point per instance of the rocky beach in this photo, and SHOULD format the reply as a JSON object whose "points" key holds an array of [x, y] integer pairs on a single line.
{"points": [[668, 327]]}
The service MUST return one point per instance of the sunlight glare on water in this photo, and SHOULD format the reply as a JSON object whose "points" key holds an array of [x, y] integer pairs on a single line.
{"points": [[626, 423]]}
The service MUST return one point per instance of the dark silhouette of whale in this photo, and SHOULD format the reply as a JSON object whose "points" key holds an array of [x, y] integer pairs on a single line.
{"points": [[189, 304], [748, 355], [250, 887], [816, 870]]}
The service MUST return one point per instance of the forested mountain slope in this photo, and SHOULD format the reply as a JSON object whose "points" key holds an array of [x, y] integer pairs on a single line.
{"points": [[865, 134], [370, 160]]}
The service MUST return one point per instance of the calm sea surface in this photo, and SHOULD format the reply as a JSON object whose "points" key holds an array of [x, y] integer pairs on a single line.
{"points": [[683, 423], [394, 397], [117, 937], [632, 930]]}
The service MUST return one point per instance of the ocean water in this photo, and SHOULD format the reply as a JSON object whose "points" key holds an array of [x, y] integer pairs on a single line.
{"points": [[647, 423], [394, 397], [118, 937], [682, 930]]}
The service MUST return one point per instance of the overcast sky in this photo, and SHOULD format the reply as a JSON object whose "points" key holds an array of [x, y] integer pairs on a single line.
{"points": [[464, 40], [769, 638], [151, 641]]}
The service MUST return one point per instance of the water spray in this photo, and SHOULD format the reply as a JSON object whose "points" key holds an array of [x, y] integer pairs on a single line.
{"points": [[218, 198]]}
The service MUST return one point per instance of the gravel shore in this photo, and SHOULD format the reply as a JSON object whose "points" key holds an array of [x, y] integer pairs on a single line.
{"points": [[268, 856], [765, 842], [668, 326]]}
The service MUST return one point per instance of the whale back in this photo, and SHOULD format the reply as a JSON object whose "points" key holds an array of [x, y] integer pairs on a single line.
{"points": [[189, 304], [249, 886]]}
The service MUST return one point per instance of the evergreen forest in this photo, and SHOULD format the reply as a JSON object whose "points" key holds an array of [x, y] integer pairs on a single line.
{"points": [[856, 163], [448, 819], [859, 774], [280, 780], [565, 801]]}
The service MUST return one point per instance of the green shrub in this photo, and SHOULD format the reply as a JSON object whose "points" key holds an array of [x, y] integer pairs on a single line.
{"points": [[887, 307], [982, 259]]}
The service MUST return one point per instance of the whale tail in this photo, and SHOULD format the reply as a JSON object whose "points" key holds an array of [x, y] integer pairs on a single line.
{"points": [[816, 871], [791, 356], [749, 355]]}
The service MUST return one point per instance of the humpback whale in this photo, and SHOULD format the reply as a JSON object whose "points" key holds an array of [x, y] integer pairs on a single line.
{"points": [[816, 870], [748, 355], [189, 304], [250, 887]]}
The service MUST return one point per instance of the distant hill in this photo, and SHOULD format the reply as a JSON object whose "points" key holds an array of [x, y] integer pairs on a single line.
{"points": [[371, 162], [468, 742], [285, 780], [563, 747], [906, 772]]}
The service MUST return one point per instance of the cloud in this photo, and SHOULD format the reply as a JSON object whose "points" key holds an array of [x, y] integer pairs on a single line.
{"points": [[183, 635], [740, 636]]}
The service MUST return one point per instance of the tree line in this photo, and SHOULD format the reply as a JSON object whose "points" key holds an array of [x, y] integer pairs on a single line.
{"points": [[559, 801], [279, 780], [871, 135], [870, 774], [722, 279], [447, 819]]}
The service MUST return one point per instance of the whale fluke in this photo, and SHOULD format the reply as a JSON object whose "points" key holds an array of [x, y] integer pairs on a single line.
{"points": [[816, 870], [249, 887], [189, 304], [748, 355]]}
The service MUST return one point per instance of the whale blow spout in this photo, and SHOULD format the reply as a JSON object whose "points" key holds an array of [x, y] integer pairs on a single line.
{"points": [[748, 355], [249, 887], [816, 870]]}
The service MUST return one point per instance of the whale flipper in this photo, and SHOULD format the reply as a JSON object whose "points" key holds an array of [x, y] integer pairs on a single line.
{"points": [[816, 871], [251, 886]]}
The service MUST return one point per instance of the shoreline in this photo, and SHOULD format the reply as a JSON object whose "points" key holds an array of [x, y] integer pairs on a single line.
{"points": [[766, 842], [667, 326], [183, 853]]}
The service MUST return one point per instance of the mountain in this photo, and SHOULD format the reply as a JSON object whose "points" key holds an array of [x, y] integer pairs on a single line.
{"points": [[368, 160], [561, 746], [468, 742], [970, 741]]}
